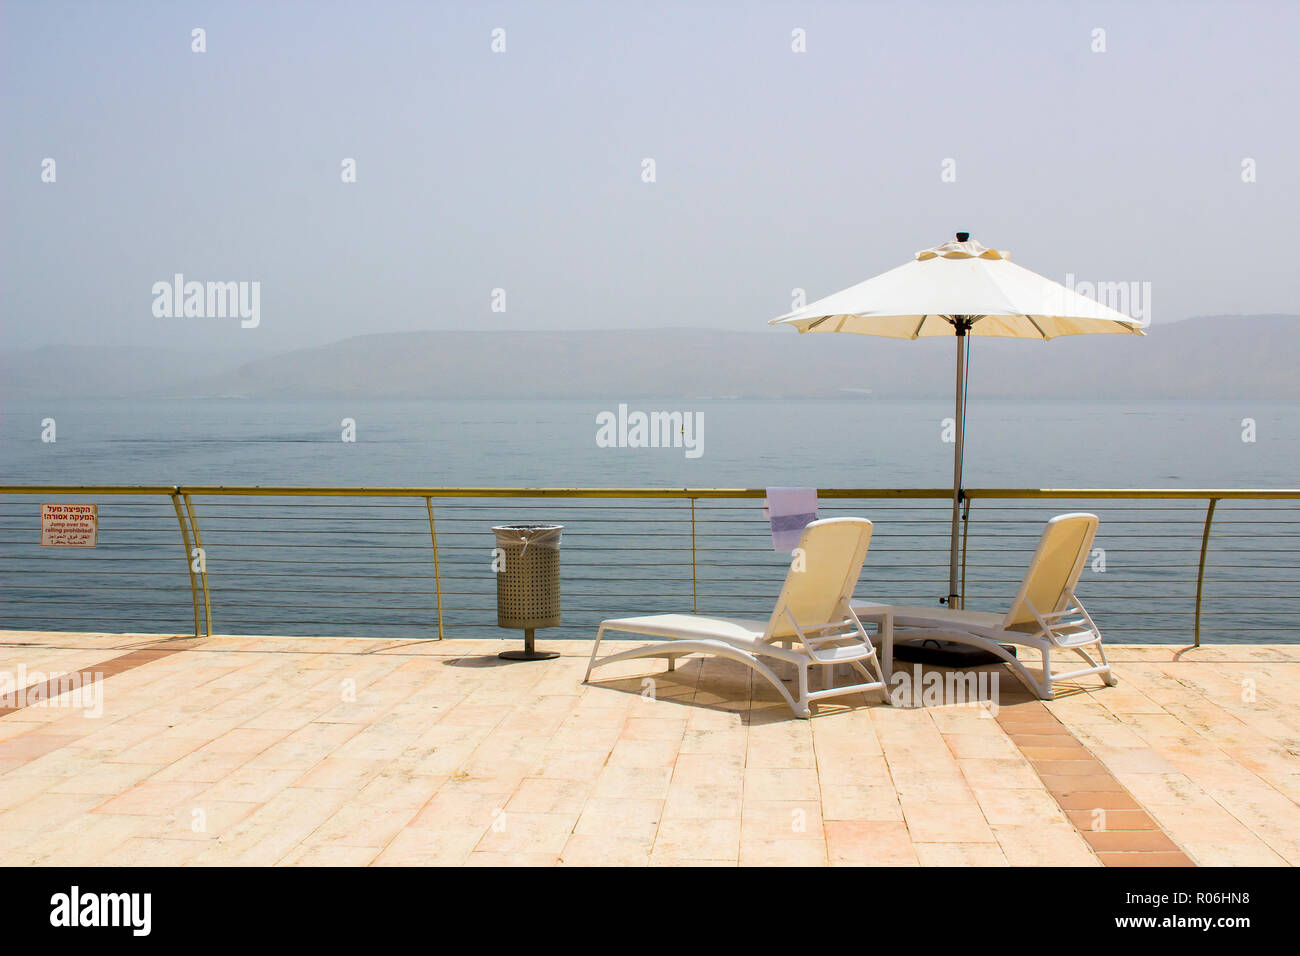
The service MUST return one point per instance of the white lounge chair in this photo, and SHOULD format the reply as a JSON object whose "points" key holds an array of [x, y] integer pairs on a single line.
{"points": [[812, 612], [1045, 613]]}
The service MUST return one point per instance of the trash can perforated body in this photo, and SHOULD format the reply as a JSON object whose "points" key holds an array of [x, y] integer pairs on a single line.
{"points": [[528, 584]]}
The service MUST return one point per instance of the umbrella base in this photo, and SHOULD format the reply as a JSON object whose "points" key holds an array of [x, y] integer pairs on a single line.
{"points": [[945, 653]]}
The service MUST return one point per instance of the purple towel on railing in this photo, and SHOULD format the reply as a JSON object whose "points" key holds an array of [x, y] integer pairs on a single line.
{"points": [[789, 510]]}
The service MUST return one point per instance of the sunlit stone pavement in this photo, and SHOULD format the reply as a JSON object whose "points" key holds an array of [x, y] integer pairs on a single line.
{"points": [[333, 751]]}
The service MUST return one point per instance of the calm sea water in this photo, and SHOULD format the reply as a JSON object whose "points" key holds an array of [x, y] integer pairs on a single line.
{"points": [[853, 443], [364, 567]]}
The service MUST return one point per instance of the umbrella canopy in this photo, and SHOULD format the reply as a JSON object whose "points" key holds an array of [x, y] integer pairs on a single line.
{"points": [[960, 288], [960, 279]]}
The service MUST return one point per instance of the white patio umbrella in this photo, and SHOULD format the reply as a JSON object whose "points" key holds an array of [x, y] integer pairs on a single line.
{"points": [[960, 288]]}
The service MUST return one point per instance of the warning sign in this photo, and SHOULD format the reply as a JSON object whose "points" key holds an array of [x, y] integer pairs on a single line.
{"points": [[69, 526]]}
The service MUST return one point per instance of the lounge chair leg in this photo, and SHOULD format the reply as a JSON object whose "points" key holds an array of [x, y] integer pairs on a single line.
{"points": [[1108, 675], [803, 710], [672, 663], [1045, 689], [885, 632], [600, 632], [884, 682]]}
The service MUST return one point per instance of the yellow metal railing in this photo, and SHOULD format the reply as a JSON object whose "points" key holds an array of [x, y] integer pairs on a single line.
{"points": [[437, 568], [488, 491], [189, 562], [712, 527]]}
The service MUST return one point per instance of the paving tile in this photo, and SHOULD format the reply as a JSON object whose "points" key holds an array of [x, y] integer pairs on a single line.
{"points": [[1129, 840], [631, 752], [152, 851], [864, 769], [330, 855], [1214, 837], [854, 802], [441, 846], [461, 809], [1079, 783], [105, 778], [545, 795], [492, 858], [584, 849], [199, 820], [960, 854], [869, 843], [633, 783], [981, 746], [1044, 845], [1097, 800], [929, 822], [1145, 859], [1111, 820], [528, 834], [796, 784], [46, 811], [629, 819], [30, 746], [95, 834], [678, 863], [697, 839], [357, 824], [273, 831], [1057, 751], [341, 773], [1055, 737], [793, 852], [703, 800], [571, 765], [654, 728], [248, 785], [769, 820], [1000, 774], [708, 768], [728, 742], [1069, 768]]}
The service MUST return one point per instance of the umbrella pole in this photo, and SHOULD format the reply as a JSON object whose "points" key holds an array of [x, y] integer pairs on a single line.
{"points": [[961, 324]]}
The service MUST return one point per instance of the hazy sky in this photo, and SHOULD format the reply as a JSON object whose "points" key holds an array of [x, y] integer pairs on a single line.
{"points": [[523, 170]]}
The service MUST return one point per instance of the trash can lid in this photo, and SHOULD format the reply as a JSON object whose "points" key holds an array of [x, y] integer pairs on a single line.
{"points": [[541, 535]]}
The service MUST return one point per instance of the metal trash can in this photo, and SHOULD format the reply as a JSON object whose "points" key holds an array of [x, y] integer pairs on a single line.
{"points": [[528, 586]]}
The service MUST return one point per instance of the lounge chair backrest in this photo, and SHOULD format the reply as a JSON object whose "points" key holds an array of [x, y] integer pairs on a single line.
{"points": [[823, 573], [1055, 568]]}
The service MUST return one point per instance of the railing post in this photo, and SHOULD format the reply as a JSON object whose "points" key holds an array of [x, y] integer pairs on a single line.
{"points": [[203, 565], [437, 571], [1200, 571], [695, 598], [185, 541], [965, 534]]}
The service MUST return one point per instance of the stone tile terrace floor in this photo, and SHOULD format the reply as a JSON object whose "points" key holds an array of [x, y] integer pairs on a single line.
{"points": [[263, 750]]}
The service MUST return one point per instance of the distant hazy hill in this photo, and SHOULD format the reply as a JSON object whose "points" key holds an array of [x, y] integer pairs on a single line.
{"points": [[86, 371], [1209, 357]]}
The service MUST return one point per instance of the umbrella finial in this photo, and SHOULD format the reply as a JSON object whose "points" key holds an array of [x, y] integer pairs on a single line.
{"points": [[963, 236]]}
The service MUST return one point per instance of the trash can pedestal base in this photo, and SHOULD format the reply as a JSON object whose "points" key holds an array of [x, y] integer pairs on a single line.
{"points": [[529, 653]]}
